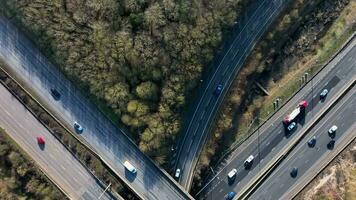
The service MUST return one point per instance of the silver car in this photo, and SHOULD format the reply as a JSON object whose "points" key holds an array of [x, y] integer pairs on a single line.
{"points": [[177, 174], [324, 93]]}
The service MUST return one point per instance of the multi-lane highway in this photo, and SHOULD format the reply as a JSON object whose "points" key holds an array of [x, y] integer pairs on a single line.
{"points": [[271, 137], [306, 158], [257, 18], [54, 159], [39, 76]]}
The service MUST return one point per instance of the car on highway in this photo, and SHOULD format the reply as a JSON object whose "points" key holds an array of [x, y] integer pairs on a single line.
{"points": [[249, 161], [291, 126], [218, 90], [230, 195], [294, 172], [297, 112], [130, 167], [40, 140], [312, 141], [55, 94], [332, 131], [78, 128], [177, 174], [331, 144], [324, 93], [232, 174]]}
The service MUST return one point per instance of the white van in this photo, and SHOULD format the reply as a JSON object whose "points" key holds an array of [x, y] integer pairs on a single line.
{"points": [[232, 173], [130, 167]]}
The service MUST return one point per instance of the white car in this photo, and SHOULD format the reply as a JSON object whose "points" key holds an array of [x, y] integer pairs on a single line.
{"points": [[130, 167], [332, 130], [177, 174], [291, 126], [324, 93], [232, 173], [248, 161]]}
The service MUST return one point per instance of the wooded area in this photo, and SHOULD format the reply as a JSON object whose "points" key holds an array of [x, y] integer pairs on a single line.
{"points": [[20, 178], [140, 57]]}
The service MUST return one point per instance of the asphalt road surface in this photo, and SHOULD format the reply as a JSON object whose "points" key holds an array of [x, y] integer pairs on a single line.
{"points": [[343, 115], [54, 159], [272, 135], [253, 24], [37, 74]]}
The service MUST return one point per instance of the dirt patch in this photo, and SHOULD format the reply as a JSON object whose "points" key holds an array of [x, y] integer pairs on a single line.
{"points": [[336, 181]]}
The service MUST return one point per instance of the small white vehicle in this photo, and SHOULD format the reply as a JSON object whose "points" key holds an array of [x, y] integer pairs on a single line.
{"points": [[248, 161], [130, 167], [177, 174], [332, 130], [232, 174]]}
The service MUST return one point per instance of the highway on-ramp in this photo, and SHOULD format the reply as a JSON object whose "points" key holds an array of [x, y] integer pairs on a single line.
{"points": [[54, 159], [306, 158], [39, 76], [271, 137], [257, 18]]}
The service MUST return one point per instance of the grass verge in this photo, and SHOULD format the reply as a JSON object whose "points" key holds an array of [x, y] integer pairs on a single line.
{"points": [[301, 41]]}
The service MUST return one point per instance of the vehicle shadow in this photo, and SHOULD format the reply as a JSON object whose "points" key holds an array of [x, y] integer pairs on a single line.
{"points": [[41, 146], [331, 145], [130, 176], [301, 118]]}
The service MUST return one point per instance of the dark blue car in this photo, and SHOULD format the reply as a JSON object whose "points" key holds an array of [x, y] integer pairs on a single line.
{"points": [[218, 90]]}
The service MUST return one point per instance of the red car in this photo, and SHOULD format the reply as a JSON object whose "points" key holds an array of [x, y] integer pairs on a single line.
{"points": [[40, 140]]}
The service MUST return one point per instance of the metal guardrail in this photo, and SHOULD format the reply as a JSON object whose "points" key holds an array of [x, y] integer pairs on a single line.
{"points": [[161, 172], [234, 146], [49, 129], [256, 181], [41, 169], [325, 164], [109, 167]]}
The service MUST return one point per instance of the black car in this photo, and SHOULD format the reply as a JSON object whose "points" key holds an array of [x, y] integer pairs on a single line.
{"points": [[294, 172], [55, 94], [331, 144], [312, 141]]}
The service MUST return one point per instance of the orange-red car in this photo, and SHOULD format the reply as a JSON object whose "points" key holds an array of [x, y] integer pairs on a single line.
{"points": [[40, 140]]}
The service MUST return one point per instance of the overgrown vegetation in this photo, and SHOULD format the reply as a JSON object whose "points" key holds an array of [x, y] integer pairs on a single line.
{"points": [[139, 58], [84, 155], [306, 35], [19, 176]]}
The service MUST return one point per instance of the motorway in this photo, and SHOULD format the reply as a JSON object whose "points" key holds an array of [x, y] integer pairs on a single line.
{"points": [[54, 159], [196, 128], [38, 75], [343, 115], [271, 137]]}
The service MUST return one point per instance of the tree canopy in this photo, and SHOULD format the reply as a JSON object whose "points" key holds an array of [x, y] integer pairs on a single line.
{"points": [[140, 57]]}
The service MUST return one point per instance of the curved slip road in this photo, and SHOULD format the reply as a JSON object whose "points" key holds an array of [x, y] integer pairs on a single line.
{"points": [[305, 158], [258, 16], [54, 159], [272, 136], [38, 75]]}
